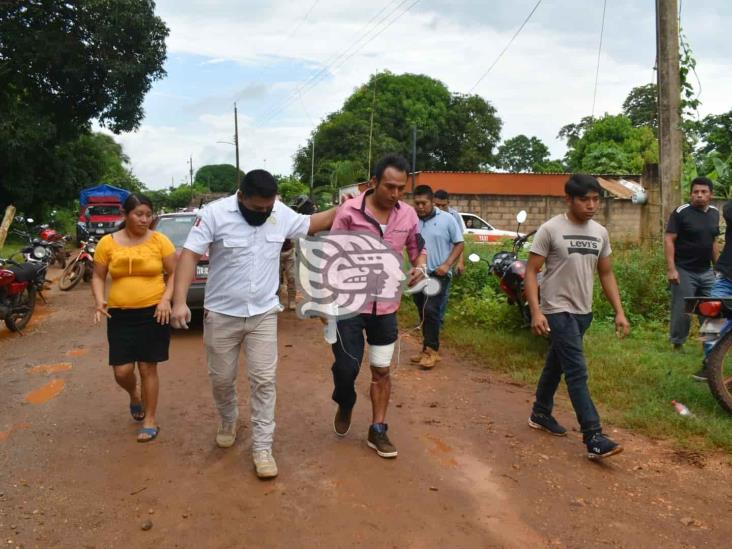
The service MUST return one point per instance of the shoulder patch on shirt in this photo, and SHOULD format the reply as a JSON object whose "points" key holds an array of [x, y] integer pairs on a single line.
{"points": [[682, 207], [198, 222]]}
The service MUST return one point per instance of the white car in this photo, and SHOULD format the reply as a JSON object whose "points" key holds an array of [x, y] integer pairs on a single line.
{"points": [[482, 231]]}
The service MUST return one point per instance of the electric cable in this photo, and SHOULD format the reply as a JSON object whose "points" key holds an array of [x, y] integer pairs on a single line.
{"points": [[508, 45], [339, 61], [599, 51]]}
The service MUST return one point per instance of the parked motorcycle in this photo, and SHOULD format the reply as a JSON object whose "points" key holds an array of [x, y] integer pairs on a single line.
{"points": [[20, 284], [716, 333], [82, 266], [511, 271], [58, 242]]}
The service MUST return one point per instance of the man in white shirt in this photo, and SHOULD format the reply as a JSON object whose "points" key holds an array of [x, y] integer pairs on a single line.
{"points": [[243, 234]]}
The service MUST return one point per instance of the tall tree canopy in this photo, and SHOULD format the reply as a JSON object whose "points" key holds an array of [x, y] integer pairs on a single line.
{"points": [[454, 132], [522, 154], [641, 106], [218, 178], [610, 144], [64, 65]]}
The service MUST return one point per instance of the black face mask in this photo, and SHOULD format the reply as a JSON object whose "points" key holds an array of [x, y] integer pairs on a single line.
{"points": [[253, 217]]}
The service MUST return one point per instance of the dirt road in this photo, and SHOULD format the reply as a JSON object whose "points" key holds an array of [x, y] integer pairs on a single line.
{"points": [[469, 473]]}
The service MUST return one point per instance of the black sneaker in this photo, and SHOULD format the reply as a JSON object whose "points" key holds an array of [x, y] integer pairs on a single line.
{"points": [[701, 375], [543, 422], [342, 421], [379, 441], [599, 447]]}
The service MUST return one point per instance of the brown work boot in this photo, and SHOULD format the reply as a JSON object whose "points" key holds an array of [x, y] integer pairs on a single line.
{"points": [[429, 359], [416, 359], [342, 421]]}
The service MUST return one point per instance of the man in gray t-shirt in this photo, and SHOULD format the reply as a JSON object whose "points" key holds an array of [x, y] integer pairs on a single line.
{"points": [[571, 246]]}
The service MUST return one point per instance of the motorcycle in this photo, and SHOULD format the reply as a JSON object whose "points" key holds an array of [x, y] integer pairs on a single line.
{"points": [[716, 333], [57, 241], [82, 266], [39, 249], [511, 271], [20, 284]]}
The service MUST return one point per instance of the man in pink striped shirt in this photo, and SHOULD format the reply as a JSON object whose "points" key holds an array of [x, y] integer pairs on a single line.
{"points": [[378, 211]]}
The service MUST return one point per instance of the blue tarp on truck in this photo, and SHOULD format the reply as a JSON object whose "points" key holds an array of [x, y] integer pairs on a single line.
{"points": [[102, 190]]}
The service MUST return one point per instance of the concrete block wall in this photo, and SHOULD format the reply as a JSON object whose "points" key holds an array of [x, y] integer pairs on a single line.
{"points": [[622, 218]]}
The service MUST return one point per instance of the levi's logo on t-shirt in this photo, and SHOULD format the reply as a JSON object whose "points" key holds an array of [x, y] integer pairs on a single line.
{"points": [[582, 244]]}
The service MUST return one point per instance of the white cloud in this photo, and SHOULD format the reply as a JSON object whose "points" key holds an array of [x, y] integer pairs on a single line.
{"points": [[545, 80]]}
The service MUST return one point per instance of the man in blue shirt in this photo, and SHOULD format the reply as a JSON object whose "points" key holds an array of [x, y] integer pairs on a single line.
{"points": [[444, 243], [442, 201]]}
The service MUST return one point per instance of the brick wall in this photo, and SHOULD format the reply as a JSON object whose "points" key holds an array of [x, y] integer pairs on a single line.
{"points": [[621, 217]]}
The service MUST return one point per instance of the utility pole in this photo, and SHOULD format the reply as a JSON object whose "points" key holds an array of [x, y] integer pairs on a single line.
{"points": [[236, 145], [371, 134], [414, 157], [669, 105], [190, 170], [312, 166]]}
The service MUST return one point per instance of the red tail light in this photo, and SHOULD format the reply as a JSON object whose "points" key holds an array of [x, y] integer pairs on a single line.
{"points": [[6, 277], [711, 309]]}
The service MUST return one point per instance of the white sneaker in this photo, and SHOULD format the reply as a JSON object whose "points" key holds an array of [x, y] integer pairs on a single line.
{"points": [[264, 463], [226, 435]]}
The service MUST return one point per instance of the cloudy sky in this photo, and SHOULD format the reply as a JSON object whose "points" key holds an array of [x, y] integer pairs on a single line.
{"points": [[288, 64]]}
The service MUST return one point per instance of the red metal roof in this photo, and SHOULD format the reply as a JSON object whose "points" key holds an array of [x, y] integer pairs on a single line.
{"points": [[521, 184]]}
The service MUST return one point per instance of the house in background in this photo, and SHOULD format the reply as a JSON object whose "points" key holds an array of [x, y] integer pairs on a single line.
{"points": [[498, 197]]}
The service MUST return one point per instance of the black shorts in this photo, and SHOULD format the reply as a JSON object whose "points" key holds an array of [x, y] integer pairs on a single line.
{"points": [[135, 336]]}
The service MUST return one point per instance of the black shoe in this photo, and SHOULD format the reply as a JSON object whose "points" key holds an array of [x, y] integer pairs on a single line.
{"points": [[600, 447], [701, 375], [379, 441], [342, 421], [543, 422]]}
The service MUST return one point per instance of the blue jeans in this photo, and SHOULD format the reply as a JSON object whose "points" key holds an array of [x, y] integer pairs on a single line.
{"points": [[429, 309], [566, 356], [443, 307], [722, 288]]}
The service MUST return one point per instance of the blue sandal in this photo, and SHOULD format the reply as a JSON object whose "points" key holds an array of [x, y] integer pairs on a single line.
{"points": [[151, 431], [137, 411]]}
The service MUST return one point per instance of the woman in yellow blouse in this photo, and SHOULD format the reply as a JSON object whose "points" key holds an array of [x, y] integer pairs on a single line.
{"points": [[138, 308]]}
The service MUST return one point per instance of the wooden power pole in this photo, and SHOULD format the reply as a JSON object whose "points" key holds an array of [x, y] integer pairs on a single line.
{"points": [[669, 105]]}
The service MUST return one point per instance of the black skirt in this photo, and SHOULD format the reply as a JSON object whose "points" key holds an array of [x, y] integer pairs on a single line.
{"points": [[135, 336]]}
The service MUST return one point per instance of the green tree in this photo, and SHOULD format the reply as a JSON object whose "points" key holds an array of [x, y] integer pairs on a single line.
{"points": [[610, 144], [218, 178], [641, 106], [64, 64], [289, 188], [453, 131], [472, 130], [522, 154], [715, 132]]}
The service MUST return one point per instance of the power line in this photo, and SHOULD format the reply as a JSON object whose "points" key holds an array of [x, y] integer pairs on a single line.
{"points": [[500, 55], [369, 32], [599, 51], [290, 35], [274, 109]]}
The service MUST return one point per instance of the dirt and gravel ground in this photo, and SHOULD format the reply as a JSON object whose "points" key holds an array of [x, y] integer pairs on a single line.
{"points": [[470, 473]]}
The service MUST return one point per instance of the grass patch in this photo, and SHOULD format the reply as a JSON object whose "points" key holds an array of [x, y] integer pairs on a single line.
{"points": [[12, 246], [632, 381]]}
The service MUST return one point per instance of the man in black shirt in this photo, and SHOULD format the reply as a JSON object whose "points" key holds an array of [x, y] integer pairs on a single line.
{"points": [[691, 248]]}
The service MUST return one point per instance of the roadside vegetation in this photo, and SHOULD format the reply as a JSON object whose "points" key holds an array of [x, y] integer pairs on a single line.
{"points": [[633, 380]]}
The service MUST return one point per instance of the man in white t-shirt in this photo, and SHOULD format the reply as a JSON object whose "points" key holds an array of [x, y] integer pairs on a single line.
{"points": [[571, 246], [243, 234]]}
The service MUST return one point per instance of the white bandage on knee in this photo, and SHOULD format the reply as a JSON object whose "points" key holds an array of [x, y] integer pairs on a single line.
{"points": [[380, 355]]}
